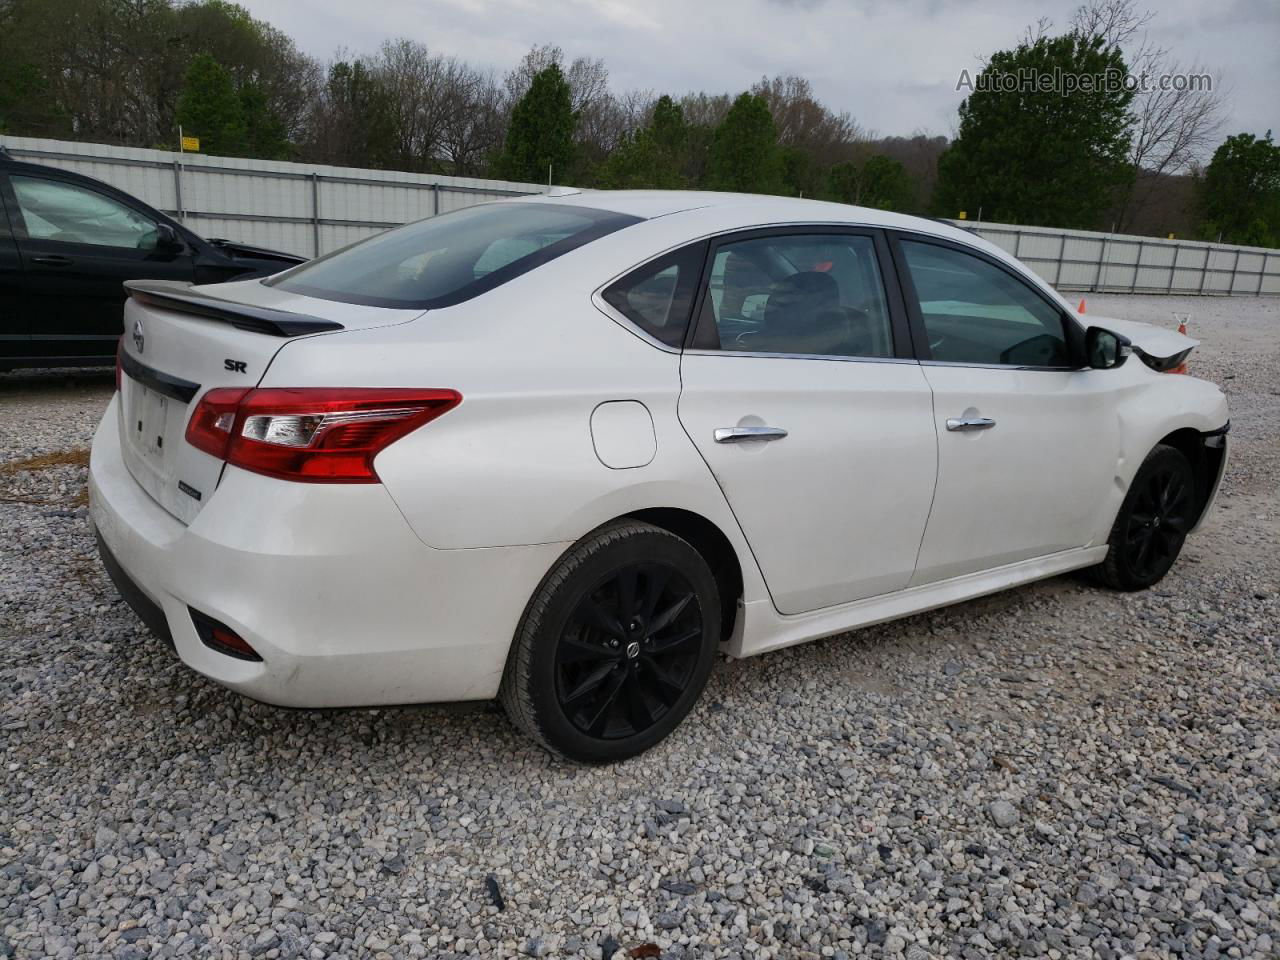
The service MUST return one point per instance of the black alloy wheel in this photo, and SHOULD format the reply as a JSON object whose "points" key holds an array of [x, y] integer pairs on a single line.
{"points": [[1158, 521], [616, 644], [1158, 512], [629, 650]]}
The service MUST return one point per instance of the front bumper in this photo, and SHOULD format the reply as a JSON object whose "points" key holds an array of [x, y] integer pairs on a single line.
{"points": [[328, 583]]}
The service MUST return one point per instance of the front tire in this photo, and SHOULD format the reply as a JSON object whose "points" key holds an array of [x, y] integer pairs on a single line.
{"points": [[616, 645], [1154, 520]]}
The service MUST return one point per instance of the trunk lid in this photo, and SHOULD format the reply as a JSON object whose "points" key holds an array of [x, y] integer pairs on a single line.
{"points": [[181, 341]]}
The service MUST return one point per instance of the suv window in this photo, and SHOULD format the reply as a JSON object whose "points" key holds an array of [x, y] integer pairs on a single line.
{"points": [[53, 210], [975, 312], [814, 294], [658, 297], [450, 258]]}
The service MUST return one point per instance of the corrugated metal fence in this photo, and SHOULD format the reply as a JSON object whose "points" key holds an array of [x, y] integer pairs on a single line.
{"points": [[302, 208], [1118, 263], [311, 209]]}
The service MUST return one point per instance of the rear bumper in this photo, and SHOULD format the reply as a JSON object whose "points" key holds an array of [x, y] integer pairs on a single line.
{"points": [[328, 583]]}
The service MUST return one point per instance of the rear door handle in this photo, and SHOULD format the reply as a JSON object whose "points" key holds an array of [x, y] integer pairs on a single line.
{"points": [[748, 434], [52, 260], [970, 423]]}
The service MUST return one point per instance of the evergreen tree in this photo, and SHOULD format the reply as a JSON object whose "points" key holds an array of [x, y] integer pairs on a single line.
{"points": [[1032, 153], [264, 133], [878, 181], [744, 155], [1239, 193], [652, 157], [210, 108], [540, 137]]}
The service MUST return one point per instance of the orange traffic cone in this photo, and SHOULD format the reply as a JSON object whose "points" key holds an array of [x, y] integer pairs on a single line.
{"points": [[1080, 309], [1182, 327]]}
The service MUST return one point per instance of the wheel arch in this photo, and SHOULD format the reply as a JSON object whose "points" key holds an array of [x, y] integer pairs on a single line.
{"points": [[714, 546], [1205, 459]]}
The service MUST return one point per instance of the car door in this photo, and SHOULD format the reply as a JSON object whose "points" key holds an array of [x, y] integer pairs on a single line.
{"points": [[800, 392], [1028, 439], [78, 245], [13, 314]]}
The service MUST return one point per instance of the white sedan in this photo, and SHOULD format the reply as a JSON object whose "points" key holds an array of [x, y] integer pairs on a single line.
{"points": [[561, 450]]}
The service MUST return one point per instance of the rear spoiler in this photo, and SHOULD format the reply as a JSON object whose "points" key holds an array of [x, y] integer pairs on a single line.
{"points": [[180, 297]]}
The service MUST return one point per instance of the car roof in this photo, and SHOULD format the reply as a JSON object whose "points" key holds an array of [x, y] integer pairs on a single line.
{"points": [[751, 208]]}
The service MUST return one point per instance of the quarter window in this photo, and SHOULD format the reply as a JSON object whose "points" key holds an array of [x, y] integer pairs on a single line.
{"points": [[807, 294], [53, 210], [975, 312], [658, 296]]}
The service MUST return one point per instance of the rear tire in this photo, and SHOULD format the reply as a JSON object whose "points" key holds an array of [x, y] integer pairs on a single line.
{"points": [[1154, 520], [616, 645]]}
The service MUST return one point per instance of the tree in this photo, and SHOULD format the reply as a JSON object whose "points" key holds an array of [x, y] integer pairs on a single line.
{"points": [[210, 108], [1173, 128], [744, 155], [1240, 192], [1028, 151], [806, 125], [878, 181], [351, 122], [540, 138], [265, 136], [653, 156]]}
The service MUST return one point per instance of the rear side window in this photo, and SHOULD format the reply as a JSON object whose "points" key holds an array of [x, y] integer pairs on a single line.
{"points": [[450, 258], [658, 297], [817, 295]]}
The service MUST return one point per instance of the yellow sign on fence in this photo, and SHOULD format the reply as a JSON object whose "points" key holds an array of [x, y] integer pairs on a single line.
{"points": [[191, 143]]}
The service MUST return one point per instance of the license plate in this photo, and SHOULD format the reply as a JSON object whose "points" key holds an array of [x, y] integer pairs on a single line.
{"points": [[150, 410]]}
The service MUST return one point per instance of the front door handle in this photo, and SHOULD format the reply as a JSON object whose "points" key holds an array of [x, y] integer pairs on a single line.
{"points": [[748, 434], [970, 423], [52, 260]]}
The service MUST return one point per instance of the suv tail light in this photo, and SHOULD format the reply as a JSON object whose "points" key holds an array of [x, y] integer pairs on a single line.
{"points": [[311, 434]]}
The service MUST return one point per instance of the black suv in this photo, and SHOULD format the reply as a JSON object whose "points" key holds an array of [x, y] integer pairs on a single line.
{"points": [[67, 242]]}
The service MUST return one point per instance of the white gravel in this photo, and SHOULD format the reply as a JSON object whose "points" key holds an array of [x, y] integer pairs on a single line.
{"points": [[1057, 771]]}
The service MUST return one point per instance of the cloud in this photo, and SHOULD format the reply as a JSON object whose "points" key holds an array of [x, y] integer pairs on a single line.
{"points": [[893, 66]]}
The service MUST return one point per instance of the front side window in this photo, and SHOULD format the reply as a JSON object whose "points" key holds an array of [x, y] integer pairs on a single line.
{"points": [[450, 258], [975, 312], [53, 210], [809, 294], [658, 297]]}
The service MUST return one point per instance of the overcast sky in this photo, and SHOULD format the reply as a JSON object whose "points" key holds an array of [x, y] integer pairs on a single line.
{"points": [[893, 64]]}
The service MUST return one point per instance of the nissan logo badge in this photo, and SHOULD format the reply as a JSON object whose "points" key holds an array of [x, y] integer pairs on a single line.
{"points": [[138, 338]]}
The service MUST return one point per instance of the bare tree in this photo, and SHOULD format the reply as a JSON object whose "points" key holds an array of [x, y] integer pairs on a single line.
{"points": [[805, 123], [588, 79], [476, 128], [427, 94], [1175, 121]]}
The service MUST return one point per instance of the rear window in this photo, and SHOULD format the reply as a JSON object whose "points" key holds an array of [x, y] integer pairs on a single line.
{"points": [[450, 258]]}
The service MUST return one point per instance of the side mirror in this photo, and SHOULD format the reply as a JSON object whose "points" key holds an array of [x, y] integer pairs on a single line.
{"points": [[167, 239], [1105, 350]]}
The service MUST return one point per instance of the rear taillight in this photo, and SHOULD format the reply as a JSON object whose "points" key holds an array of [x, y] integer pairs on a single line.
{"points": [[313, 434], [209, 428]]}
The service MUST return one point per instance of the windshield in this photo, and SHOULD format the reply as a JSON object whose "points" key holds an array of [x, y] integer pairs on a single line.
{"points": [[450, 258]]}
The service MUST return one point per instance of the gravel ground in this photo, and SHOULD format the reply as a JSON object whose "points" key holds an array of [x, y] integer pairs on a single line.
{"points": [[1056, 771]]}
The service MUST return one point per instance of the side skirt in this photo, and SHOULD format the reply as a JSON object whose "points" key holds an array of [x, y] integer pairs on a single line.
{"points": [[761, 628]]}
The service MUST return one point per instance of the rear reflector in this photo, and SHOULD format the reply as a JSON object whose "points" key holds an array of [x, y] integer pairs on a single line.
{"points": [[221, 638], [311, 434]]}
